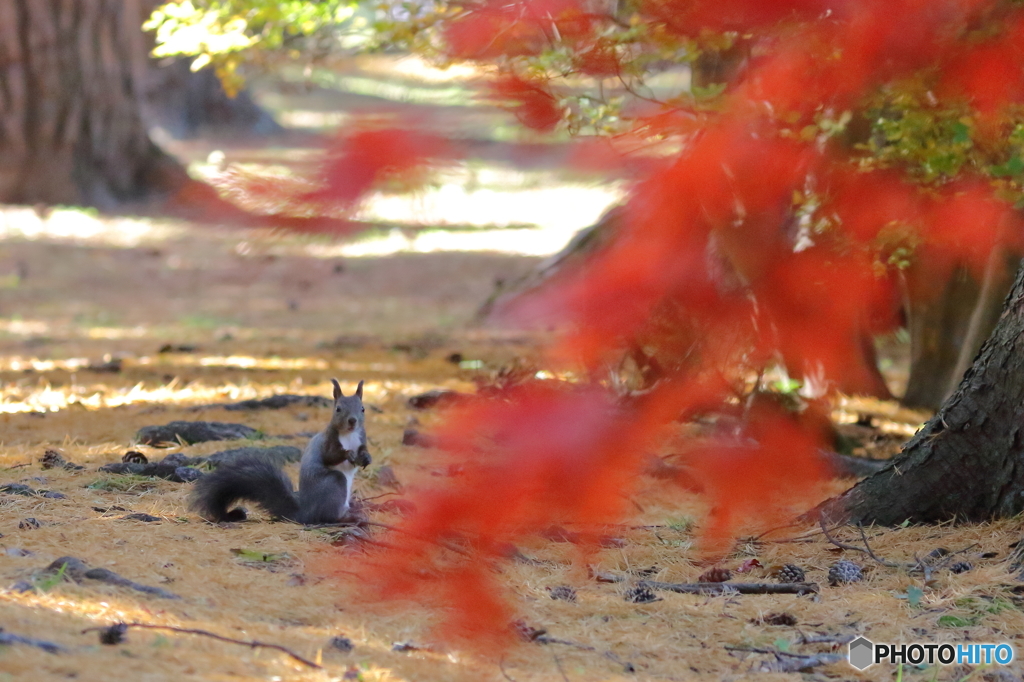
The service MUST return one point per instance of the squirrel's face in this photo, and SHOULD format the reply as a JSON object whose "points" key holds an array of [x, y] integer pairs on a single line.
{"points": [[348, 417], [348, 410]]}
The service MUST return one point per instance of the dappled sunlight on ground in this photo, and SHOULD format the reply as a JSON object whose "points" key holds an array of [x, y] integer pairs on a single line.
{"points": [[82, 226]]}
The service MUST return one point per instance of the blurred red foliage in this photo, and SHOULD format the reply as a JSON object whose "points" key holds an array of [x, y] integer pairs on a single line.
{"points": [[530, 101], [368, 157], [711, 243]]}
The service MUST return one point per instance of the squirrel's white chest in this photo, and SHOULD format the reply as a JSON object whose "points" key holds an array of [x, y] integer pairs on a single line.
{"points": [[350, 442]]}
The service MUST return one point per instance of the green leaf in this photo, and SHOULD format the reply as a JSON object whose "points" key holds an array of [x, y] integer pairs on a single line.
{"points": [[786, 386], [961, 133], [48, 581], [1015, 166], [914, 595], [710, 92], [955, 622]]}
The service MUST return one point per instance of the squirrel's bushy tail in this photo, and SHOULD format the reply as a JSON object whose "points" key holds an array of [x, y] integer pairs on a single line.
{"points": [[255, 479]]}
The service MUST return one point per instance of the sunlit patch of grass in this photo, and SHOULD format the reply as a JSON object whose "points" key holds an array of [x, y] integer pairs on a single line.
{"points": [[250, 362], [55, 601], [115, 333], [413, 90], [84, 226], [416, 68], [19, 327], [47, 398]]}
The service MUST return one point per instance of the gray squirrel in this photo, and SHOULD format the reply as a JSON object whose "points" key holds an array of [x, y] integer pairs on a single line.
{"points": [[325, 474]]}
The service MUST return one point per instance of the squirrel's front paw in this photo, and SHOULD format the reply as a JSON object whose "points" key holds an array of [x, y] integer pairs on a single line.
{"points": [[362, 458]]}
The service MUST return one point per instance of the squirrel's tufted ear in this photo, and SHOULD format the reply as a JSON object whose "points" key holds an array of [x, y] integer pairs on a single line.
{"points": [[337, 389], [359, 390]]}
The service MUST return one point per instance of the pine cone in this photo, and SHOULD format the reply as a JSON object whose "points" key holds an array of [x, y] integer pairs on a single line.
{"points": [[961, 567], [715, 574], [843, 572], [791, 573], [115, 634], [52, 460], [563, 593], [641, 595], [134, 457]]}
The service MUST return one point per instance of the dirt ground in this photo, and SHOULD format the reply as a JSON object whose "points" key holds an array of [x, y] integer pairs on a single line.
{"points": [[98, 340]]}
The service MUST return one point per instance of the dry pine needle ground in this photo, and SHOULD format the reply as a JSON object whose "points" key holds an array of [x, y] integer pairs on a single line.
{"points": [[602, 636]]}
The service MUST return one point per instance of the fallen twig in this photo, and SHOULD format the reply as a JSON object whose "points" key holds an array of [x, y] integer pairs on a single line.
{"points": [[949, 557], [626, 665], [206, 633], [727, 588], [917, 565], [558, 664], [760, 538], [77, 569], [786, 662], [545, 639], [866, 549], [501, 667], [6, 639]]}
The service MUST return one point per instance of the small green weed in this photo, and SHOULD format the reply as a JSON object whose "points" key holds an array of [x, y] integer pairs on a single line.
{"points": [[47, 581]]}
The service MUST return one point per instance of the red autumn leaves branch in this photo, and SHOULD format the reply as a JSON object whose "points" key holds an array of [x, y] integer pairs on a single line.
{"points": [[712, 261]]}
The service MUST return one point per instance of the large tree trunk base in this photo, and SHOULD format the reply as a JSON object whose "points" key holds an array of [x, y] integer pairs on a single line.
{"points": [[967, 462], [947, 331]]}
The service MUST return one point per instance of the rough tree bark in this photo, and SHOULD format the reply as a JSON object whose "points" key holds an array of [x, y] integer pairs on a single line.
{"points": [[71, 88], [967, 462], [947, 331]]}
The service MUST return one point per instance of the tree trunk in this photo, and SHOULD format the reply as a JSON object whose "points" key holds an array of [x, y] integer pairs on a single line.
{"points": [[71, 89], [587, 241], [946, 332], [966, 463], [187, 104]]}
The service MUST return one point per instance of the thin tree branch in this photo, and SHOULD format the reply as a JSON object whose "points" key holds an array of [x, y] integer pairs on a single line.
{"points": [[501, 667], [729, 588], [558, 664], [865, 550], [206, 633]]}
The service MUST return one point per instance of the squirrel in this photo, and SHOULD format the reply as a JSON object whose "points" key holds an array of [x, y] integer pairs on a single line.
{"points": [[326, 471]]}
